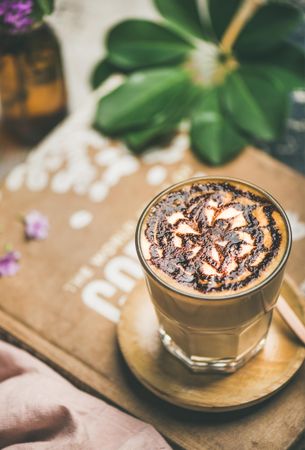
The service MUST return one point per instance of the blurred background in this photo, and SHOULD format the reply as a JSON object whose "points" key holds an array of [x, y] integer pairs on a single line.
{"points": [[80, 27]]}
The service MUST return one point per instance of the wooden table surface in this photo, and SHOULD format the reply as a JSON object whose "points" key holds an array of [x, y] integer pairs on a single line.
{"points": [[80, 26]]}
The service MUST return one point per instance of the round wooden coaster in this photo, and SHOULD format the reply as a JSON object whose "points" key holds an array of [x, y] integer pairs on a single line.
{"points": [[166, 377]]}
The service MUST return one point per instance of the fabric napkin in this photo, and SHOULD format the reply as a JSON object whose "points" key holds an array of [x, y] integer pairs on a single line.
{"points": [[41, 410]]}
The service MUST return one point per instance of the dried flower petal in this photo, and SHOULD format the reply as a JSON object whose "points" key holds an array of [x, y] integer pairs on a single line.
{"points": [[36, 225], [16, 14], [9, 264]]}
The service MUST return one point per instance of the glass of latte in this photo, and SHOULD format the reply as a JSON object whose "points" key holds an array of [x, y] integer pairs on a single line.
{"points": [[213, 252]]}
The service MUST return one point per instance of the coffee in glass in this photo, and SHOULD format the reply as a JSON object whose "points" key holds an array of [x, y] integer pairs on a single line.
{"points": [[213, 252]]}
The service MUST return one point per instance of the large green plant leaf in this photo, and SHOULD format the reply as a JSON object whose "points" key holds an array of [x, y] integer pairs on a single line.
{"points": [[146, 99], [267, 29], [252, 101], [137, 141], [256, 101], [221, 14], [270, 25], [215, 140], [185, 16], [180, 108], [286, 63], [101, 72], [135, 44]]}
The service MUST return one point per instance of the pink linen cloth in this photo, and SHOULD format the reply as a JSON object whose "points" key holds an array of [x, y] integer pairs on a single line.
{"points": [[41, 410]]}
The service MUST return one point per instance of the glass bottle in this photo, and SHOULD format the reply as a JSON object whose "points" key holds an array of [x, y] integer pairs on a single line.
{"points": [[32, 88]]}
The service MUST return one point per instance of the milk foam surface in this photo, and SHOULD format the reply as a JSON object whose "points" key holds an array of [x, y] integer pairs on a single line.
{"points": [[213, 237]]}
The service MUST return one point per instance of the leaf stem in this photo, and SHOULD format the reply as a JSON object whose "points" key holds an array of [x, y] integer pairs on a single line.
{"points": [[242, 16]]}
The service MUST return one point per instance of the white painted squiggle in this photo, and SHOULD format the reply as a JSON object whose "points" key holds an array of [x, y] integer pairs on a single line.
{"points": [[16, 178], [78, 159], [80, 219], [170, 155], [156, 175]]}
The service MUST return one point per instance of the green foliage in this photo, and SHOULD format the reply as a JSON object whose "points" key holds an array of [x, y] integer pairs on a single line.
{"points": [[184, 15], [137, 44], [214, 138], [147, 99], [178, 108], [138, 140], [267, 29], [42, 8], [221, 13], [245, 98], [255, 102], [46, 6], [101, 72], [286, 62]]}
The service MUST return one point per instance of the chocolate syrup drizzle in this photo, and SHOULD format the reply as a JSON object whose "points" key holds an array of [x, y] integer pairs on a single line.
{"points": [[212, 242]]}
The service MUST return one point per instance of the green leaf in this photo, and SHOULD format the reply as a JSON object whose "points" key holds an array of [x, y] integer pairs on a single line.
{"points": [[46, 6], [286, 63], [221, 14], [185, 16], [269, 26], [146, 99], [256, 101], [101, 72], [134, 44], [214, 138], [138, 141]]}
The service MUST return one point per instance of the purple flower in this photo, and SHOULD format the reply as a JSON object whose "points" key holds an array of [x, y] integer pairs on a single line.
{"points": [[9, 264], [3, 7], [36, 225], [16, 14]]}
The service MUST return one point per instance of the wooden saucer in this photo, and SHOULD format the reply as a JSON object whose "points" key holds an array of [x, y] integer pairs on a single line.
{"points": [[166, 377]]}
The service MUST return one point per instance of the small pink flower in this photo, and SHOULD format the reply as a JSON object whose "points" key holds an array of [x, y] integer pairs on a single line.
{"points": [[36, 226], [9, 264]]}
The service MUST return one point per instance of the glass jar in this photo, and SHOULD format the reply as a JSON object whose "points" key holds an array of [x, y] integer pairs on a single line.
{"points": [[32, 88]]}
